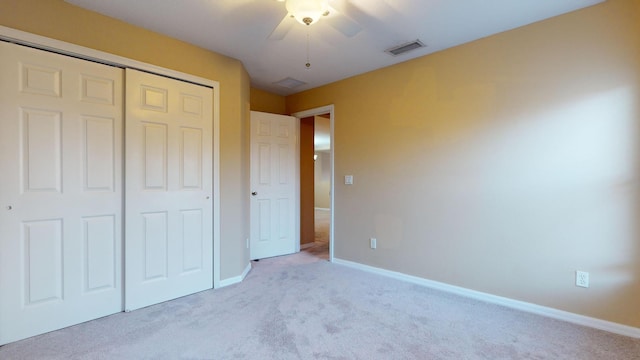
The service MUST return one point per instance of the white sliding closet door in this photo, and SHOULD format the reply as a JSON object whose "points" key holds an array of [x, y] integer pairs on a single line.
{"points": [[60, 191], [169, 242]]}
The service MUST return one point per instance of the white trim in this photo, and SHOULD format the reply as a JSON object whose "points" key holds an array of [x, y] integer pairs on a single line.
{"points": [[61, 47], [319, 111], [236, 279], [499, 300], [297, 184], [322, 209], [216, 187]]}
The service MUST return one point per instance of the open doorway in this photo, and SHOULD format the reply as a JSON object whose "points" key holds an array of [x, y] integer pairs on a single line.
{"points": [[316, 182], [322, 183]]}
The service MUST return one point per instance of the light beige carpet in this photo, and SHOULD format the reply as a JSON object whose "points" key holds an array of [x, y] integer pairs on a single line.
{"points": [[304, 307]]}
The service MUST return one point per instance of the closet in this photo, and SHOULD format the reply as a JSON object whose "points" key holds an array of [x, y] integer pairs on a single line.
{"points": [[65, 193], [168, 189]]}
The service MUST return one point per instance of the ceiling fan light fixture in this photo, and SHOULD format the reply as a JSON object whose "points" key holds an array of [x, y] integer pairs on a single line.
{"points": [[307, 11]]}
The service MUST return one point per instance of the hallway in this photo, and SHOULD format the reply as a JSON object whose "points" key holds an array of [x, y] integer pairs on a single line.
{"points": [[321, 247]]}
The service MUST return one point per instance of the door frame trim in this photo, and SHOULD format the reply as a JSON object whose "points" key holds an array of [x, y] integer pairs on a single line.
{"points": [[85, 53], [319, 111]]}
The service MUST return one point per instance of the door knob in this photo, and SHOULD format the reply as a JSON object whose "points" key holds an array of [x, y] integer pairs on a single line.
{"points": [[254, 193]]}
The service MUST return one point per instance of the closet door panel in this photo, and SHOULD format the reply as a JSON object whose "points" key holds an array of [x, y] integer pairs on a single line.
{"points": [[61, 191], [169, 217]]}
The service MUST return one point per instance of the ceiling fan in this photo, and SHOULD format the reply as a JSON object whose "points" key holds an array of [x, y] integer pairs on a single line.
{"points": [[309, 12]]}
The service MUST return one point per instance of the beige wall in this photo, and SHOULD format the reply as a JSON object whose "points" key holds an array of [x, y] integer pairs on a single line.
{"points": [[267, 102], [502, 165], [322, 184], [59, 20]]}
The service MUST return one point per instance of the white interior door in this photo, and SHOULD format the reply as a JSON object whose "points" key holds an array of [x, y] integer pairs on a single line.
{"points": [[274, 185], [169, 241], [60, 191]]}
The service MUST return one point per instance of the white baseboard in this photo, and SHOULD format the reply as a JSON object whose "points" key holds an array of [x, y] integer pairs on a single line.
{"points": [[323, 209], [494, 299], [236, 279]]}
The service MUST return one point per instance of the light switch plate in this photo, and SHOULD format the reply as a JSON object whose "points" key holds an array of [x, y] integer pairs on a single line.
{"points": [[348, 179]]}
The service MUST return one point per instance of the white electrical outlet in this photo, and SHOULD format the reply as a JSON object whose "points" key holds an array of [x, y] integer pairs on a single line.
{"points": [[582, 279], [247, 243], [373, 242]]}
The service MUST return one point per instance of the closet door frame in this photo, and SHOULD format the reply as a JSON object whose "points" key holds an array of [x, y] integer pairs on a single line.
{"points": [[65, 48]]}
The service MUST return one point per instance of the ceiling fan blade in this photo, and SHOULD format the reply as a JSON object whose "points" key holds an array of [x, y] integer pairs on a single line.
{"points": [[345, 25], [282, 29]]}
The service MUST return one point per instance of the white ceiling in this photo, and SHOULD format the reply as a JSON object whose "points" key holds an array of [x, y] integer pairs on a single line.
{"points": [[241, 29]]}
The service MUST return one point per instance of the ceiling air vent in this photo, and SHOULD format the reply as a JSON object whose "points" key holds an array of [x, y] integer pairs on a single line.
{"points": [[289, 83], [401, 49]]}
